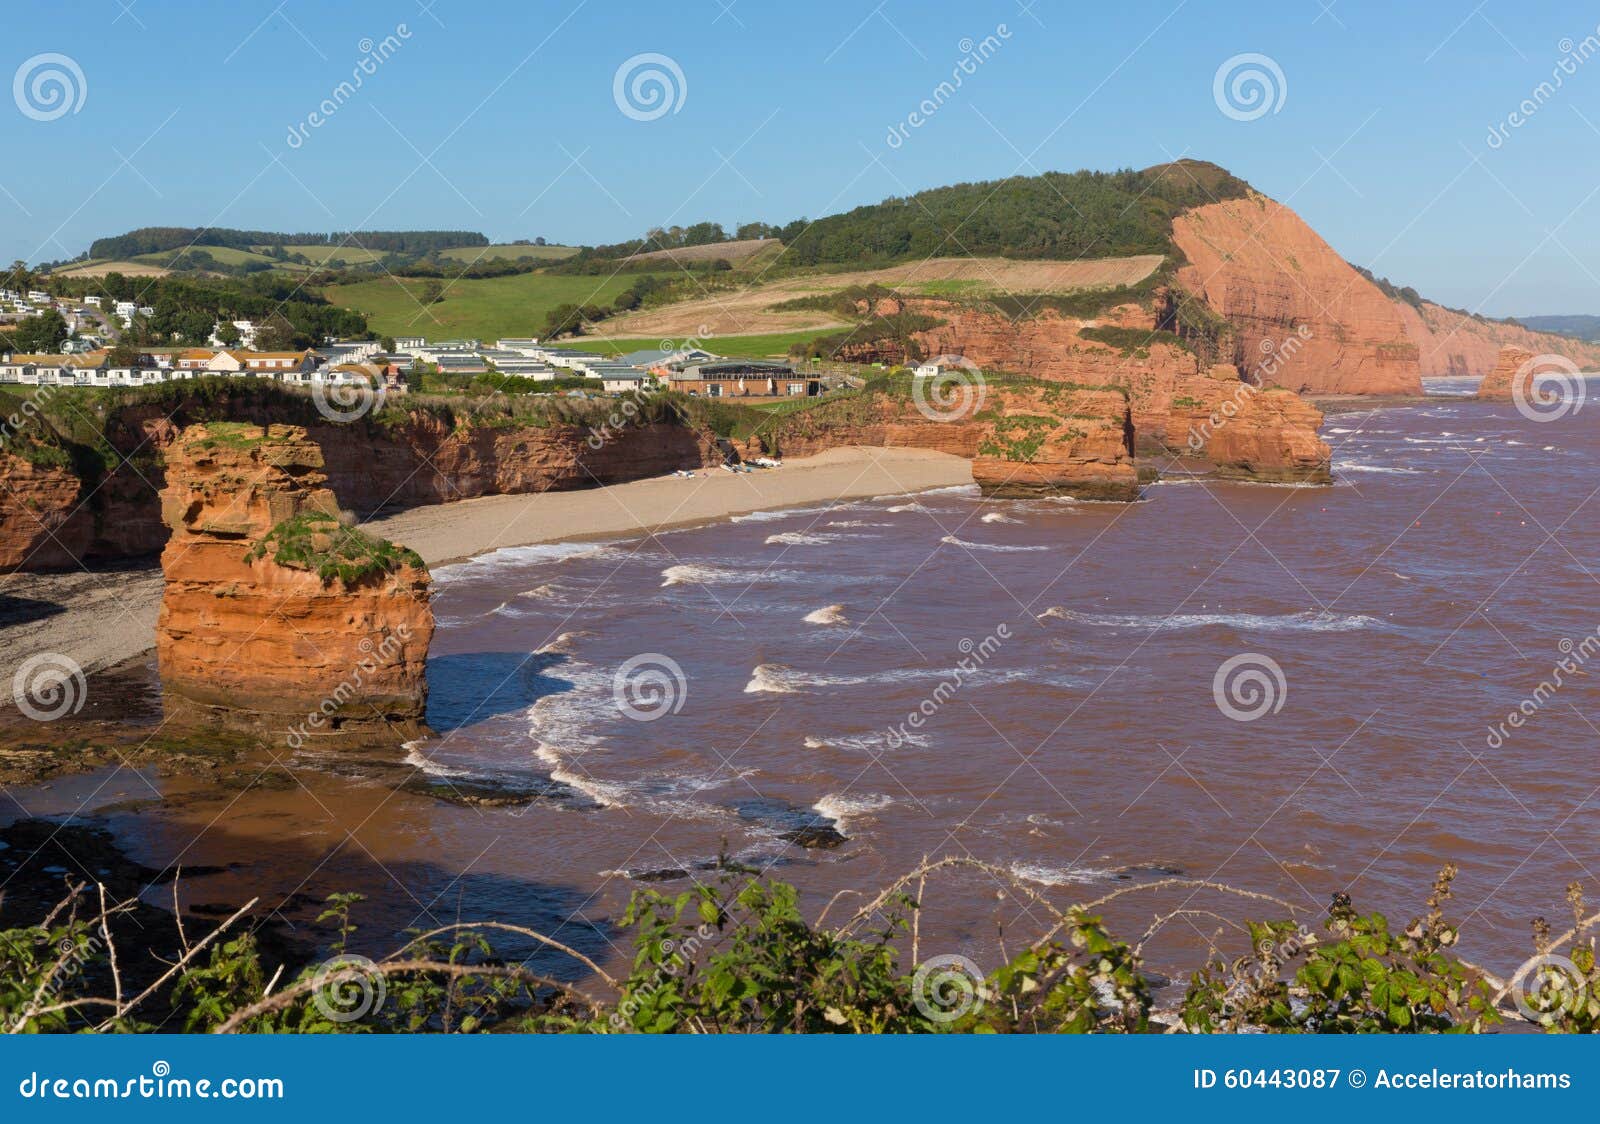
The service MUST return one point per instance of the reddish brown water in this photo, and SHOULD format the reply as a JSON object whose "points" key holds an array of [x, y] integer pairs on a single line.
{"points": [[1408, 609]]}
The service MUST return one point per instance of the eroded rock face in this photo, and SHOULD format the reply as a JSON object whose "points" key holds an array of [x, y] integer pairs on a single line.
{"points": [[1512, 364], [1022, 440], [1177, 407], [274, 614], [44, 523], [1452, 343], [1259, 265], [1248, 432]]}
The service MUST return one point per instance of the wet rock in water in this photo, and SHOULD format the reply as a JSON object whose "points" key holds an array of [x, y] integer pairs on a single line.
{"points": [[803, 827], [475, 793], [822, 836]]}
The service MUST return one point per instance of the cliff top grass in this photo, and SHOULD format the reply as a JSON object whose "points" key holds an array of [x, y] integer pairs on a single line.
{"points": [[318, 542]]}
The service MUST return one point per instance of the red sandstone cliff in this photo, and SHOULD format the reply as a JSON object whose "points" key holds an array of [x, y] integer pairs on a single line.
{"points": [[1022, 439], [1453, 343], [272, 610], [1259, 265]]}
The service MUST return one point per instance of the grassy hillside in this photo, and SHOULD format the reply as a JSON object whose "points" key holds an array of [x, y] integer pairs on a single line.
{"points": [[486, 309], [507, 250]]}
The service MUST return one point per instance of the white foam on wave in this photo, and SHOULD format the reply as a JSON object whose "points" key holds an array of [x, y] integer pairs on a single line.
{"points": [[1307, 621], [999, 517], [873, 743], [828, 614], [954, 541], [855, 523], [913, 506], [415, 758], [1060, 876], [773, 678], [693, 573], [802, 538], [787, 513], [1385, 469], [841, 808], [563, 644]]}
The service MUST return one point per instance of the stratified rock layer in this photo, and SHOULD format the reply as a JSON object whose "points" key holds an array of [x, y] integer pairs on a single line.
{"points": [[1511, 366], [275, 613], [1022, 438], [1273, 278]]}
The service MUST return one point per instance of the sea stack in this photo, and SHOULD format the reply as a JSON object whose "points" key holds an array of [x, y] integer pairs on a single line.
{"points": [[1248, 432], [1515, 364], [275, 613]]}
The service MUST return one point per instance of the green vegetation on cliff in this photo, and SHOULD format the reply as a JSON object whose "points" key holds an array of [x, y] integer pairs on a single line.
{"points": [[319, 543], [1055, 215]]}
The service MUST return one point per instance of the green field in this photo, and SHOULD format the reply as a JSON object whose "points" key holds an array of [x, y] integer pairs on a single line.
{"points": [[323, 255], [750, 347], [485, 309], [227, 255], [506, 250]]}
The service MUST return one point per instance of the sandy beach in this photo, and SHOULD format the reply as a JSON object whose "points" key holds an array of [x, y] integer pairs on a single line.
{"points": [[104, 618]]}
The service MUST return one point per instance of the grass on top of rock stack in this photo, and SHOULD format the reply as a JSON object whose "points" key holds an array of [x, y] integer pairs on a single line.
{"points": [[318, 542]]}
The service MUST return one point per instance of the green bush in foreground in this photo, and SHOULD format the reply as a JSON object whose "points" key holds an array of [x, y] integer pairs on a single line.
{"points": [[739, 957]]}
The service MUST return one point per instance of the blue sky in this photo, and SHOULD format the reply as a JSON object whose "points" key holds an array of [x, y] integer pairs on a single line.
{"points": [[500, 117]]}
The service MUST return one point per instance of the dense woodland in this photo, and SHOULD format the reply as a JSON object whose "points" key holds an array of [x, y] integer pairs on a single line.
{"points": [[156, 239]]}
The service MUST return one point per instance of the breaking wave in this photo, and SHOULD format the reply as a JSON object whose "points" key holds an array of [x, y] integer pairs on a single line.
{"points": [[953, 541], [828, 614], [1306, 621]]}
